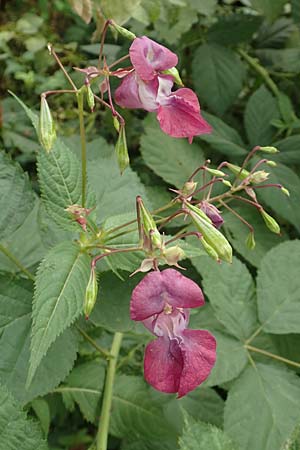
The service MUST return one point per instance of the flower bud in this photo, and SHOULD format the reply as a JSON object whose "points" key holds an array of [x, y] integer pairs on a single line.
{"points": [[227, 183], [116, 123], [123, 31], [269, 149], [271, 163], [250, 241], [199, 212], [258, 177], [148, 226], [90, 294], [270, 222], [189, 187], [90, 97], [175, 74], [122, 151], [212, 236], [212, 212], [238, 171], [47, 132], [173, 255], [285, 191], [215, 172]]}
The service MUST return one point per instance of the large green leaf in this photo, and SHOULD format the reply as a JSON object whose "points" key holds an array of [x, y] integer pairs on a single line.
{"points": [[262, 408], [287, 207], [17, 197], [234, 28], [60, 288], [223, 138], [16, 430], [270, 8], [289, 150], [171, 158], [15, 327], [237, 233], [286, 60], [214, 78], [119, 11], [84, 387], [279, 296], [203, 436], [135, 413], [260, 110], [231, 292]]}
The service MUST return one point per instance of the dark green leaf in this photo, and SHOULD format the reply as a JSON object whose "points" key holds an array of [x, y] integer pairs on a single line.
{"points": [[289, 150], [244, 26], [286, 60]]}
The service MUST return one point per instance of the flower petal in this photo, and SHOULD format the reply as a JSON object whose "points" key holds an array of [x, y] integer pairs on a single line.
{"points": [[126, 95], [158, 288], [179, 115], [199, 355], [163, 365], [148, 57]]}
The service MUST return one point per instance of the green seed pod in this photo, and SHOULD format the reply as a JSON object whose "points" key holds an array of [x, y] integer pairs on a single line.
{"points": [[269, 149], [271, 163], [148, 225], [285, 191], [90, 97], [124, 32], [175, 74], [227, 183], [215, 172], [270, 222], [116, 123], [90, 294], [210, 250], [198, 212], [250, 241], [122, 150], [236, 170], [47, 132]]}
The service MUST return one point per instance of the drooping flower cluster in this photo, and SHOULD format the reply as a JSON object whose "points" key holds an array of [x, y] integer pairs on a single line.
{"points": [[148, 87], [180, 358]]}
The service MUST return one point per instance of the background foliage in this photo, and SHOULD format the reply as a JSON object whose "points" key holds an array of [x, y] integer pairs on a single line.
{"points": [[243, 60]]}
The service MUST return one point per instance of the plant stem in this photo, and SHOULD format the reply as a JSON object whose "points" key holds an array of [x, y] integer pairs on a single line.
{"points": [[83, 147], [272, 355], [261, 71], [16, 262], [93, 343], [53, 53], [108, 393]]}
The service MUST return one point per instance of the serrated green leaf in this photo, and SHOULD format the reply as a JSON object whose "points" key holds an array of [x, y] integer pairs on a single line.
{"points": [[16, 430], [270, 8], [260, 110], [15, 326], [244, 26], [17, 197], [135, 413], [215, 81], [231, 292], [84, 386], [278, 297], [223, 138], [265, 399], [286, 207], [237, 233], [289, 150], [176, 163], [203, 436], [60, 288]]}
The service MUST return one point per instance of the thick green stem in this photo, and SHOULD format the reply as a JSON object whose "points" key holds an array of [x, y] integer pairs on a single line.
{"points": [[108, 393], [272, 355], [261, 71], [16, 262], [83, 147]]}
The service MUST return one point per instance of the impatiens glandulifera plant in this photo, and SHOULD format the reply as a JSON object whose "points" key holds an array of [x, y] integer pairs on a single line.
{"points": [[178, 359]]}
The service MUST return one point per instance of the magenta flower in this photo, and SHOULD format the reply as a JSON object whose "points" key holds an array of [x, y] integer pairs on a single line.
{"points": [[147, 87], [179, 359], [212, 212]]}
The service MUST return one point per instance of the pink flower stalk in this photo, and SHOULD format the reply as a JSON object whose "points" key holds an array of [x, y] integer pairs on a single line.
{"points": [[213, 213], [147, 87], [179, 359]]}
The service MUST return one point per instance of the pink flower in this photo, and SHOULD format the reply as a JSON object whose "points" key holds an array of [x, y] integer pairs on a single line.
{"points": [[179, 359], [148, 88], [212, 212]]}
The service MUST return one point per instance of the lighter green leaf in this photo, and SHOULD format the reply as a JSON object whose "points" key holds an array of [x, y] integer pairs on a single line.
{"points": [[231, 292], [262, 408], [16, 430], [270, 8], [42, 411], [214, 78], [60, 288], [17, 197], [15, 326], [203, 436], [223, 138], [173, 159], [260, 110], [279, 297], [118, 10]]}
